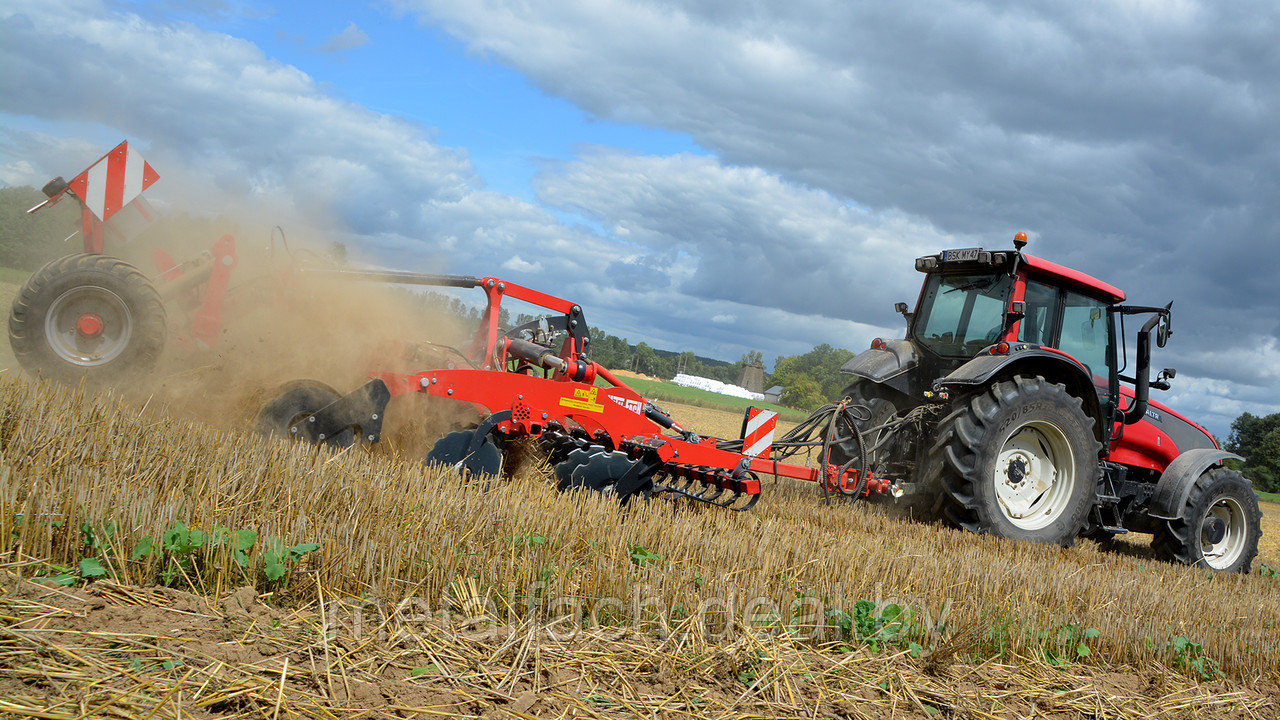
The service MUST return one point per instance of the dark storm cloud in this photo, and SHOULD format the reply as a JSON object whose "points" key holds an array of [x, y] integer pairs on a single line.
{"points": [[1135, 139], [744, 236]]}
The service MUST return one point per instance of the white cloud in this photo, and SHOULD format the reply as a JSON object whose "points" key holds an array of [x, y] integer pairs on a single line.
{"points": [[20, 172], [232, 124], [350, 38], [1135, 140], [850, 140]]}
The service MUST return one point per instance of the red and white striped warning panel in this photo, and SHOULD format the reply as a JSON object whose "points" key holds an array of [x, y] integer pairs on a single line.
{"points": [[111, 183], [130, 222], [757, 431]]}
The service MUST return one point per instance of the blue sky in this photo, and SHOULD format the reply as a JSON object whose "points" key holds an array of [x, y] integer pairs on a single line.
{"points": [[713, 175], [391, 63]]}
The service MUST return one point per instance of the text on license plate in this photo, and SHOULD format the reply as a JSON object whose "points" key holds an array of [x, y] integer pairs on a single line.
{"points": [[961, 254]]}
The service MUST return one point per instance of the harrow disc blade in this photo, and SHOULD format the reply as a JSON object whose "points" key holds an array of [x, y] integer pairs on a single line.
{"points": [[455, 450], [557, 447], [297, 402], [600, 471], [564, 470]]}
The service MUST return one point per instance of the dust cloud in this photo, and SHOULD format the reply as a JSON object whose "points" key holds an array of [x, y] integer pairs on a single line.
{"points": [[282, 323]]}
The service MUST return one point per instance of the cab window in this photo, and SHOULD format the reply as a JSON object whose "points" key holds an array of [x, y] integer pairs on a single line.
{"points": [[1085, 331], [1036, 326], [962, 313]]}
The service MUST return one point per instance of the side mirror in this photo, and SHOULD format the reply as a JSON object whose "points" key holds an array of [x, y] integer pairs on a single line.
{"points": [[1162, 380], [1163, 332], [901, 309]]}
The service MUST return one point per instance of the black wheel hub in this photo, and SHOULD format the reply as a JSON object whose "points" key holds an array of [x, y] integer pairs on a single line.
{"points": [[1017, 471], [1213, 530]]}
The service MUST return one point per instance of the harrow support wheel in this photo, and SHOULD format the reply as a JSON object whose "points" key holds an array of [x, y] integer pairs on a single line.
{"points": [[1219, 525], [1019, 460], [298, 401], [87, 316], [468, 455]]}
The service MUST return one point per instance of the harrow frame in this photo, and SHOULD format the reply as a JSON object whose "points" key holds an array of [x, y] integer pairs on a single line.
{"points": [[529, 390]]}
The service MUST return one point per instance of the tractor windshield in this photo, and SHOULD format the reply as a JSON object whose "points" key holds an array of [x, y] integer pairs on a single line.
{"points": [[961, 314]]}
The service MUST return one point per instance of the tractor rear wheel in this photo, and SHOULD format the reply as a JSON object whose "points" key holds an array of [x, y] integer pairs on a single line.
{"points": [[87, 316], [298, 401], [1019, 460], [1219, 525], [879, 411]]}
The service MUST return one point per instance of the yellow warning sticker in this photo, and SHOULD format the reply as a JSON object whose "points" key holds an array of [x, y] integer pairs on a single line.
{"points": [[583, 399]]}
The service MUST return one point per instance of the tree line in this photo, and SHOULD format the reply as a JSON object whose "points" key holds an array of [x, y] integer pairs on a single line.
{"points": [[1257, 439]]}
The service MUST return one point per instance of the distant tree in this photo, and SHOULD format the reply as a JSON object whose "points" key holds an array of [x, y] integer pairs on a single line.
{"points": [[687, 362], [29, 241], [1257, 439], [811, 379], [802, 391], [337, 252], [645, 360], [753, 357]]}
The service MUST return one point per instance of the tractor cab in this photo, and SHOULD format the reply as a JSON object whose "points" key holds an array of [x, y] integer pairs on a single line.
{"points": [[973, 299], [977, 307]]}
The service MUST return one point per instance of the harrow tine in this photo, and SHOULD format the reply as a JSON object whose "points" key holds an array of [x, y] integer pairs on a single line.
{"points": [[718, 491], [686, 485], [750, 503]]}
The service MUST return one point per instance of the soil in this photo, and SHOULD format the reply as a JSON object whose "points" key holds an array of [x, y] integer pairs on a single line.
{"points": [[113, 650]]}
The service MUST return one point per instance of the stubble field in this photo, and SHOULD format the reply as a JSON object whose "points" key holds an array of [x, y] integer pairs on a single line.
{"points": [[443, 598], [160, 560]]}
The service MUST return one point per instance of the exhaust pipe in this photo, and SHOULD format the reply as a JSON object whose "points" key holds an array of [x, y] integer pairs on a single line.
{"points": [[1142, 376]]}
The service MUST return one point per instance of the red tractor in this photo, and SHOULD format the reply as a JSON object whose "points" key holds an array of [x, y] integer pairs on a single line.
{"points": [[1006, 410]]}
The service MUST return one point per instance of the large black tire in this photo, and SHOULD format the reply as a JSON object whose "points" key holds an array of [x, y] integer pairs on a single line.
{"points": [[1219, 525], [88, 316], [1019, 460], [879, 410], [297, 401]]}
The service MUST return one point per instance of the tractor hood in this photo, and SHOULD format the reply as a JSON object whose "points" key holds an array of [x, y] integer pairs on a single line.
{"points": [[879, 365]]}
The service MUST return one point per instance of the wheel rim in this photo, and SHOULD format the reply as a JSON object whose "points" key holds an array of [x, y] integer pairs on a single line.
{"points": [[88, 326], [1035, 475], [1224, 553]]}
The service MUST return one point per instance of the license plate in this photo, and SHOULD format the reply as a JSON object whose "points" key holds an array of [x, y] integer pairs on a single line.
{"points": [[960, 255]]}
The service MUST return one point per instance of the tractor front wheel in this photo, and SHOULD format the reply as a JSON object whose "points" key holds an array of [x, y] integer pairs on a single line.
{"points": [[87, 316], [1219, 525], [1019, 460]]}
